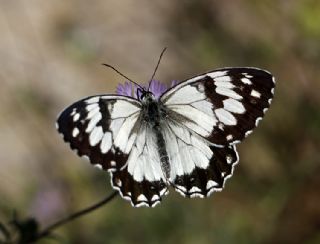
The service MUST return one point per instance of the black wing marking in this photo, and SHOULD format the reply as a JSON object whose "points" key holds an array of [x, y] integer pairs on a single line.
{"points": [[202, 182], [142, 181], [196, 167], [102, 128], [222, 106], [144, 193]]}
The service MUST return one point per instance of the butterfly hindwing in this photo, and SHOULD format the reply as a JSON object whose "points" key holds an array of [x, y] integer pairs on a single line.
{"points": [[139, 193], [142, 180], [197, 168], [222, 106], [202, 182], [102, 128]]}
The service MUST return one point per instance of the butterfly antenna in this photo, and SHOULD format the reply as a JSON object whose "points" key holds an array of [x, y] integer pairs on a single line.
{"points": [[155, 70], [110, 66]]}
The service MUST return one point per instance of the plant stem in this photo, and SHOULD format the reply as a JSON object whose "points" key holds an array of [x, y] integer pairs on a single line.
{"points": [[75, 215]]}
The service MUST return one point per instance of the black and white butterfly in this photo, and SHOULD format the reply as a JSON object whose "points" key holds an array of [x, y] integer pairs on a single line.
{"points": [[185, 139]]}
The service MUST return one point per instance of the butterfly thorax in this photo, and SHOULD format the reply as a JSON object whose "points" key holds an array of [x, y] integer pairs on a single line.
{"points": [[153, 114], [151, 109]]}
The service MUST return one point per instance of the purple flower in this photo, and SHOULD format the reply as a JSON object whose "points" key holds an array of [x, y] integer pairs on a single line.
{"points": [[156, 87], [127, 89]]}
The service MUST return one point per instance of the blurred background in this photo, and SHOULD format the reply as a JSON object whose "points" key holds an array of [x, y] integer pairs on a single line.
{"points": [[50, 56]]}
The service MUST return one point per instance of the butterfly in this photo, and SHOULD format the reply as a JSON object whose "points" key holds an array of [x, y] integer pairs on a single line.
{"points": [[185, 138]]}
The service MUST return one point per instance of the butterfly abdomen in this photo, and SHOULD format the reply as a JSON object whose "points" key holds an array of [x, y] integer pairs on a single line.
{"points": [[153, 115], [161, 144]]}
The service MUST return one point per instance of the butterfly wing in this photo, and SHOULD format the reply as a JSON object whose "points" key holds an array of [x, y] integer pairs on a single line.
{"points": [[222, 106], [102, 128], [110, 132], [197, 168], [206, 115], [142, 181]]}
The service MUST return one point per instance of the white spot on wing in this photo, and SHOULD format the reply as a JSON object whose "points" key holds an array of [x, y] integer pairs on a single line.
{"points": [[98, 166], [73, 112], [119, 182], [76, 117], [229, 159], [228, 92], [229, 137], [75, 132], [163, 191], [211, 184], [194, 189], [85, 157], [106, 142], [255, 93], [93, 100], [225, 117], [257, 121], [246, 81], [181, 188], [142, 198], [185, 95], [217, 74], [223, 79], [155, 198], [248, 133], [233, 105], [140, 204], [95, 136], [247, 75]]}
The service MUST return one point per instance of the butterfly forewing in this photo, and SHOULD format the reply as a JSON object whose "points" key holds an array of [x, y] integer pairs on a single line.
{"points": [[222, 106], [102, 128]]}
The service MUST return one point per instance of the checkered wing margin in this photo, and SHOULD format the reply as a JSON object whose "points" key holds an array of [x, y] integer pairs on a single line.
{"points": [[222, 106]]}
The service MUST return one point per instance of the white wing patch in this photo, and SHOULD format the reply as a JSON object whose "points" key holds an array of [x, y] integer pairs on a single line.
{"points": [[186, 95], [144, 159], [185, 150], [225, 117], [103, 128], [233, 106], [190, 102], [123, 109], [106, 142]]}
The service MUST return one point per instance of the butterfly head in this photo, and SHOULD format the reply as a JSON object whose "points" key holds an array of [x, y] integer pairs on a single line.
{"points": [[145, 96]]}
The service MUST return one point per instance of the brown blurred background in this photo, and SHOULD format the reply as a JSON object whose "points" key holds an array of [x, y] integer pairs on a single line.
{"points": [[50, 56]]}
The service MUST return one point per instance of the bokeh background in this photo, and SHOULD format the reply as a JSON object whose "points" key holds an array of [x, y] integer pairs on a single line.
{"points": [[50, 56]]}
